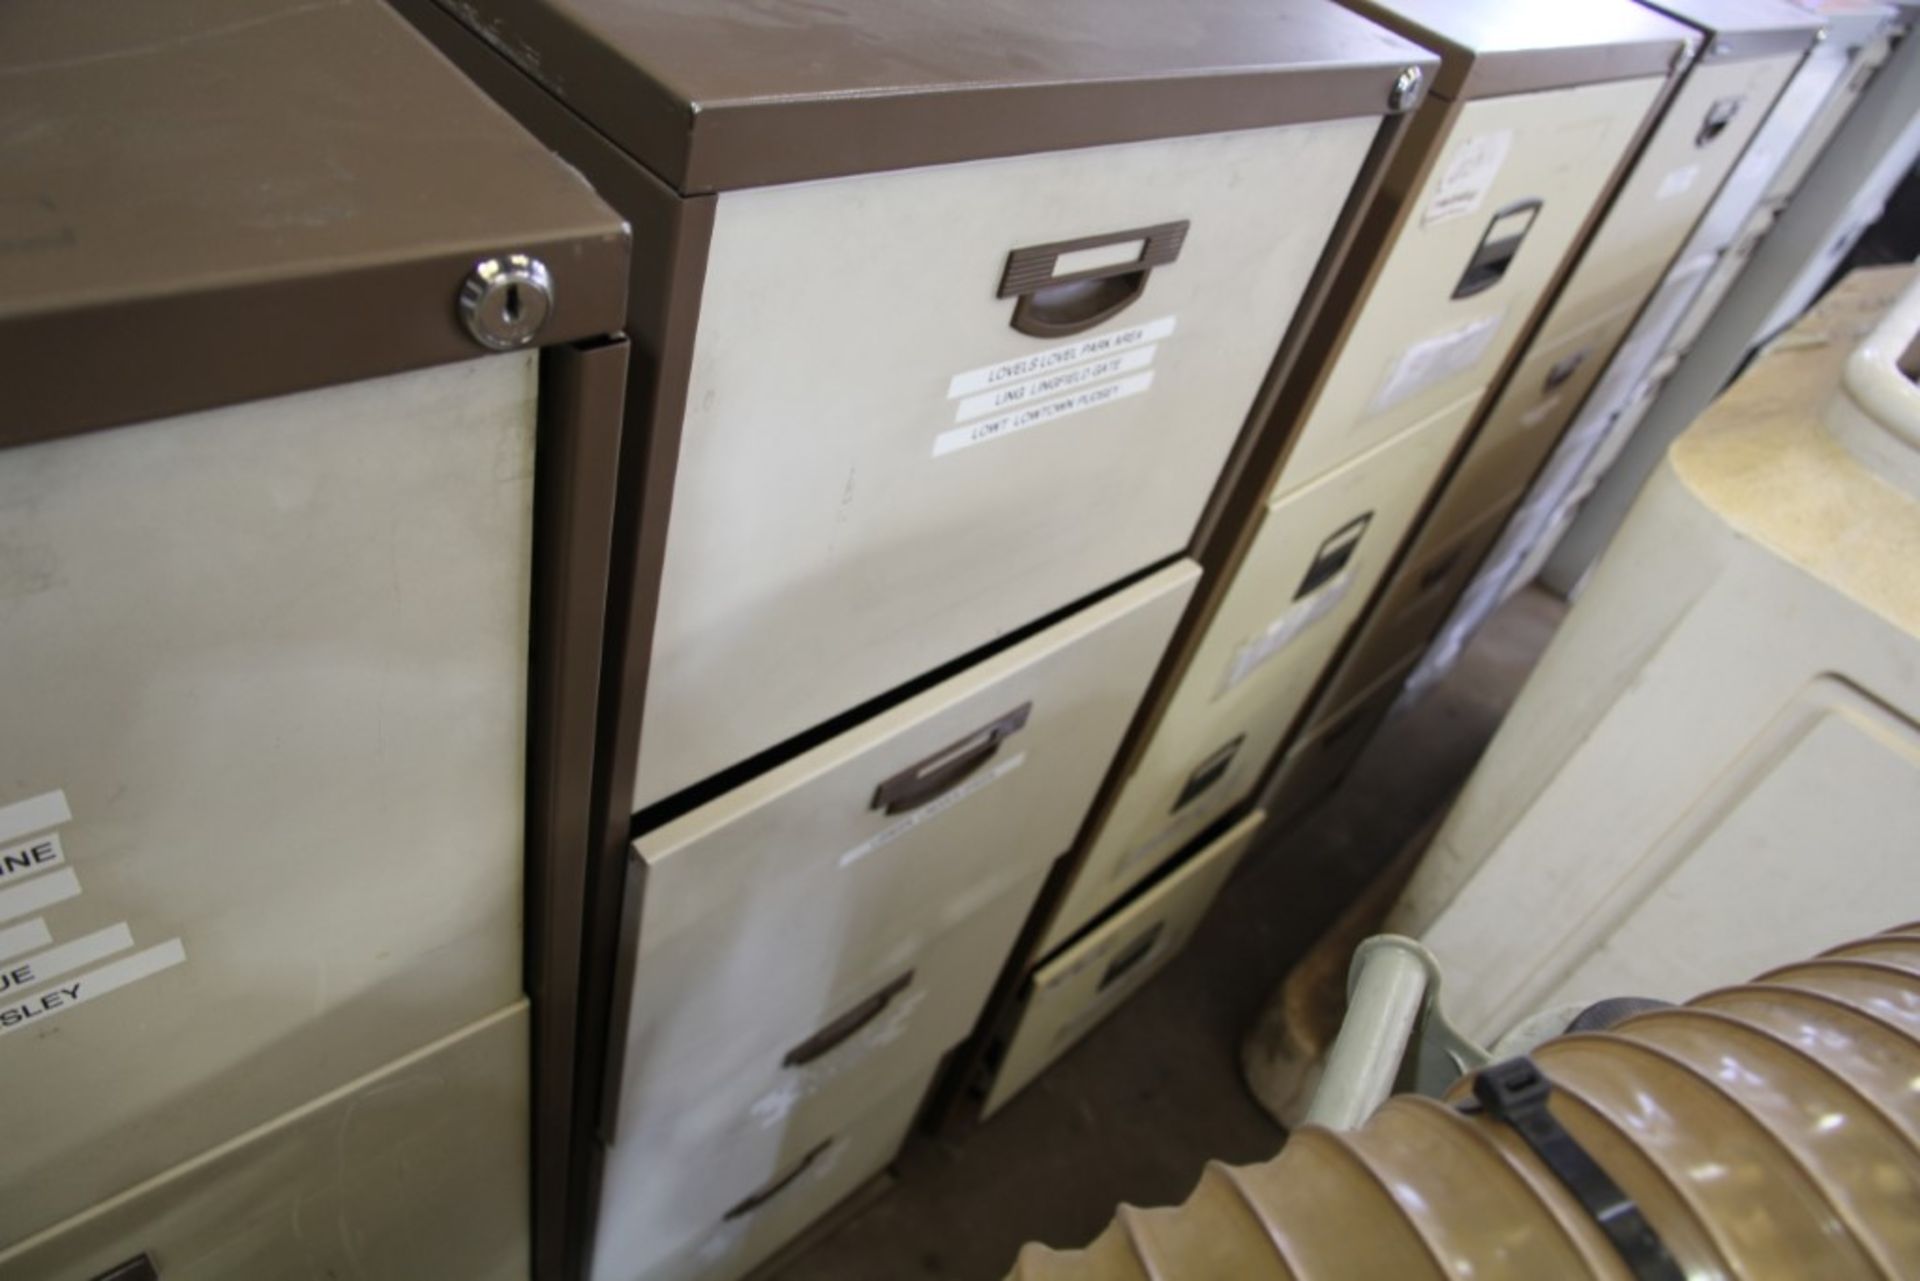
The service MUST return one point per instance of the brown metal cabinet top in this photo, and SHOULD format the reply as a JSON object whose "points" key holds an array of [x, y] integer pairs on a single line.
{"points": [[209, 201], [1739, 29], [1490, 48], [717, 94]]}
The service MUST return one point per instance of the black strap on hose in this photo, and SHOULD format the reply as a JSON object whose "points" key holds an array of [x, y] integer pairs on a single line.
{"points": [[1516, 1092]]}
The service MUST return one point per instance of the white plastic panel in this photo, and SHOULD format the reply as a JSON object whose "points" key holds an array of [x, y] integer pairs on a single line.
{"points": [[1314, 562], [272, 661], [417, 1170], [1075, 990], [847, 517], [1416, 348], [1713, 768]]}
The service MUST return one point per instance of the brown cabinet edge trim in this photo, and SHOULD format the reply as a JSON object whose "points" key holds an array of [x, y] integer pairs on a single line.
{"points": [[718, 145], [135, 360], [581, 393]]}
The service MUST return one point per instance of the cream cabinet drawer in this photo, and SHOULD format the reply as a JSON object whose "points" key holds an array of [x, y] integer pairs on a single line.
{"points": [[886, 461], [1315, 765], [1421, 597], [771, 1194], [1542, 397], [1460, 280], [267, 702], [1314, 562], [1072, 992], [416, 1171], [722, 1088], [1674, 179], [912, 845]]}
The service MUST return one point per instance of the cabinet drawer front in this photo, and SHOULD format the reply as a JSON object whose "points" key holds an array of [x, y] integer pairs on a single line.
{"points": [[1414, 607], [1527, 421], [1316, 559], [1674, 179], [703, 1098], [1324, 755], [771, 1193], [1076, 989], [1419, 343], [879, 472], [417, 1170], [272, 664], [807, 852]]}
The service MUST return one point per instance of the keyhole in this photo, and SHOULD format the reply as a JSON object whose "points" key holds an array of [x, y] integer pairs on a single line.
{"points": [[510, 310]]}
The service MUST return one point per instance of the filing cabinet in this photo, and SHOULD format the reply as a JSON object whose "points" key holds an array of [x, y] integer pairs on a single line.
{"points": [[941, 341], [314, 381], [419, 1169], [1713, 148], [1325, 753], [1073, 991], [1314, 561], [823, 933], [1502, 169], [1771, 183]]}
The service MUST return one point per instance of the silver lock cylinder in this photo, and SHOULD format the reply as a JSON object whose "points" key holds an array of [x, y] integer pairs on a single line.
{"points": [[505, 301], [1406, 89]]}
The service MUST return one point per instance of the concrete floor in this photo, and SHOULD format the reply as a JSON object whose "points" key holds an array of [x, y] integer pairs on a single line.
{"points": [[1137, 1109]]}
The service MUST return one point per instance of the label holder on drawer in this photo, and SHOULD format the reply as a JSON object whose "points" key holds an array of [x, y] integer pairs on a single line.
{"points": [[927, 779], [1055, 303]]}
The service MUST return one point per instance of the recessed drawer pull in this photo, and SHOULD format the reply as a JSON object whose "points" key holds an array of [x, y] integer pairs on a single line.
{"points": [[1069, 286], [947, 768], [779, 1185], [847, 1024]]}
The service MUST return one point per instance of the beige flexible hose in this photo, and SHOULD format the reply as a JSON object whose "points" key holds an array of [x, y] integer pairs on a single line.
{"points": [[1766, 1130]]}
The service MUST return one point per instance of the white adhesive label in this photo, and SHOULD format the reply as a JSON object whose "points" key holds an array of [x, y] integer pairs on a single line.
{"points": [[979, 433], [1033, 365], [1281, 632], [1434, 360], [44, 967], [932, 809], [41, 891], [35, 854], [1678, 182], [110, 977], [28, 936], [35, 814], [1468, 176], [1049, 385]]}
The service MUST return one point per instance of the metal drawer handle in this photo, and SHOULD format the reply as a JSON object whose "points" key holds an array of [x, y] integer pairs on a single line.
{"points": [[947, 768], [1137, 951], [1718, 117], [842, 1028], [779, 1185], [1058, 296]]}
